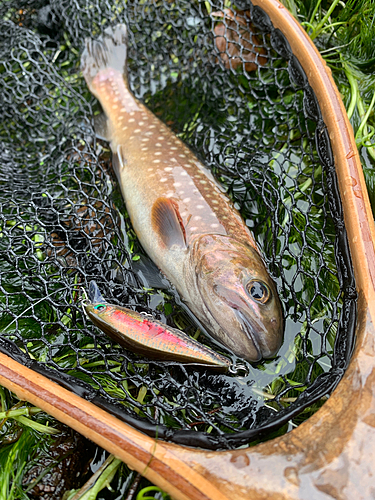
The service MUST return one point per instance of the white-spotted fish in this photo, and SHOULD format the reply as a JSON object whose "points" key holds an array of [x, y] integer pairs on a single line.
{"points": [[184, 221], [146, 335]]}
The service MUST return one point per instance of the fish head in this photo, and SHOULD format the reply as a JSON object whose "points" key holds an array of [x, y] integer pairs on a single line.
{"points": [[240, 296]]}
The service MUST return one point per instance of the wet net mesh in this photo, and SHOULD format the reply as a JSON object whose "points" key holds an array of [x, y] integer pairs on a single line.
{"points": [[229, 86]]}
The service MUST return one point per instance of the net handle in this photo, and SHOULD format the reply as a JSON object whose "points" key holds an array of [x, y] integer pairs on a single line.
{"points": [[329, 455]]}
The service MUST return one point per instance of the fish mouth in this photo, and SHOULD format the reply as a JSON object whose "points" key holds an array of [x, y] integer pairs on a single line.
{"points": [[252, 335]]}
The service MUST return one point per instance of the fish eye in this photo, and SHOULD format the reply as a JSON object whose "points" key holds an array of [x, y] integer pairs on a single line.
{"points": [[99, 307], [259, 291]]}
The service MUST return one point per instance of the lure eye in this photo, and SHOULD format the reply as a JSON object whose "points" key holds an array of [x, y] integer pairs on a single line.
{"points": [[100, 307], [258, 291]]}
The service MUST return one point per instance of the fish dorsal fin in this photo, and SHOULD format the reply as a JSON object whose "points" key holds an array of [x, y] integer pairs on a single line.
{"points": [[167, 222]]}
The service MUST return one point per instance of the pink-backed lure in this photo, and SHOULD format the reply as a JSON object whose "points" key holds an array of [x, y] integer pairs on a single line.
{"points": [[145, 335]]}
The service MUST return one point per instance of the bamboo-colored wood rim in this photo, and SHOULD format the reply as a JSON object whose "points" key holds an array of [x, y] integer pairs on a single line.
{"points": [[329, 456]]}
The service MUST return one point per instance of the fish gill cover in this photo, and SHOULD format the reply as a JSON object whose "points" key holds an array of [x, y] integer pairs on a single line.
{"points": [[229, 87]]}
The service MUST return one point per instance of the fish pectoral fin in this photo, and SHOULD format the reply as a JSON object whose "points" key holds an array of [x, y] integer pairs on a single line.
{"points": [[149, 273], [167, 222]]}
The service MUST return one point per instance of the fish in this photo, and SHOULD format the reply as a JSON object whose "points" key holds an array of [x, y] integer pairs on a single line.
{"points": [[145, 335], [184, 220]]}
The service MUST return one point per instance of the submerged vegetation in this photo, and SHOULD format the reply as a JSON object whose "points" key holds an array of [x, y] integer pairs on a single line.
{"points": [[343, 32]]}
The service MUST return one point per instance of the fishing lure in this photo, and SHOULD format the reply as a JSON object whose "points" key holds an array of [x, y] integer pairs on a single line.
{"points": [[148, 336]]}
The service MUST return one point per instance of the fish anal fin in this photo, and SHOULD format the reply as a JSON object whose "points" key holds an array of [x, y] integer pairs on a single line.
{"points": [[167, 222], [101, 127]]}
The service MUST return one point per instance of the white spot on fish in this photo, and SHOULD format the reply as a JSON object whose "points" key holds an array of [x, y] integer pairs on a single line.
{"points": [[158, 144], [152, 126], [173, 148], [131, 113], [169, 195], [197, 217], [173, 159], [193, 229], [181, 192], [164, 179], [212, 214], [177, 184], [155, 161], [203, 182], [137, 130], [187, 165], [200, 206], [145, 139], [125, 128], [214, 225], [215, 201], [131, 120], [144, 149], [168, 169], [141, 123], [183, 174], [160, 138], [190, 183], [186, 200], [158, 153], [181, 156], [150, 169]]}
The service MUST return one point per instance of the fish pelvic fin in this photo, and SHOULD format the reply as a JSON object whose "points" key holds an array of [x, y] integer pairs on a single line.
{"points": [[108, 52], [167, 222]]}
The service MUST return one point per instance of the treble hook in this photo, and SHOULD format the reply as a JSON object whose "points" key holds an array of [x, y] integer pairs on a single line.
{"points": [[84, 300], [236, 370]]}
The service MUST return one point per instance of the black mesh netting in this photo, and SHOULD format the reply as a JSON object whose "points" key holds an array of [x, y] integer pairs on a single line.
{"points": [[233, 91]]}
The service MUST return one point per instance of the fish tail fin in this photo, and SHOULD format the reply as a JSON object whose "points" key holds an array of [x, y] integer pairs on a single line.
{"points": [[108, 52]]}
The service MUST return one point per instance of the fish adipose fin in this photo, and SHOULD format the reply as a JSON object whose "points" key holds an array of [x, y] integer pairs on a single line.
{"points": [[108, 51], [167, 222]]}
